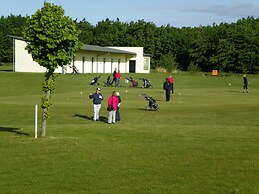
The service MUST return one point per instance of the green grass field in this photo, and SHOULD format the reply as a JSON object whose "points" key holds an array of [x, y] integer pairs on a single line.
{"points": [[205, 140]]}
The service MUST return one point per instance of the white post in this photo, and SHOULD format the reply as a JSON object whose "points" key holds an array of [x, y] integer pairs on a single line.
{"points": [[36, 122]]}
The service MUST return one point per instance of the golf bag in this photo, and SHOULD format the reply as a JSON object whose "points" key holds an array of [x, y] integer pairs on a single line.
{"points": [[95, 81], [108, 81], [133, 82], [146, 83], [75, 70], [152, 105]]}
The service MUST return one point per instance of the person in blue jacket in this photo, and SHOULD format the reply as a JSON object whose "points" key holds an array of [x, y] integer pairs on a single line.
{"points": [[97, 101]]}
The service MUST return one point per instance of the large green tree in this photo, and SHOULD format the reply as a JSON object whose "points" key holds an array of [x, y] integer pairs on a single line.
{"points": [[52, 40]]}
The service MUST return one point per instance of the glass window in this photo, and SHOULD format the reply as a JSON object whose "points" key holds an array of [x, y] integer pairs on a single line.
{"points": [[146, 63]]}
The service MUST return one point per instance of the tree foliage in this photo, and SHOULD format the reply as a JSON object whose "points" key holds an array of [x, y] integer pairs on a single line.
{"points": [[11, 25], [52, 40]]}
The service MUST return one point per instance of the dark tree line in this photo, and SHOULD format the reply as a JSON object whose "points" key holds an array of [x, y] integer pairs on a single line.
{"points": [[227, 47], [11, 25]]}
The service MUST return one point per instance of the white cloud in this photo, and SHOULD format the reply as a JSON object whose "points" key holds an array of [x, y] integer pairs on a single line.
{"points": [[237, 10]]}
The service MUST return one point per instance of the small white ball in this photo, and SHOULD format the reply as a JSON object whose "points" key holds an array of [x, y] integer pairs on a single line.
{"points": [[126, 91]]}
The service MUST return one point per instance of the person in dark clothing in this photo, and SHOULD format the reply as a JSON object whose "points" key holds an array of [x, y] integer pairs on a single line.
{"points": [[167, 89], [114, 76], [245, 86], [118, 117], [108, 81], [97, 100]]}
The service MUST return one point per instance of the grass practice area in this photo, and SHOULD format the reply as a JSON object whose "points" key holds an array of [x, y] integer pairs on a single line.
{"points": [[205, 140]]}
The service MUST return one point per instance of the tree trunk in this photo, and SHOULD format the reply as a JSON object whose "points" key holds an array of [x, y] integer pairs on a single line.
{"points": [[44, 123], [45, 116], [45, 109]]}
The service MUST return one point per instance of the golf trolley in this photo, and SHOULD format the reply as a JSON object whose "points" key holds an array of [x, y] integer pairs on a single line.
{"points": [[152, 105], [146, 83], [108, 81], [75, 70], [95, 80], [133, 82]]}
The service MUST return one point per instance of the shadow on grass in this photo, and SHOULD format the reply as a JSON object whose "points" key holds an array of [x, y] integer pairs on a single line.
{"points": [[6, 70], [234, 91], [102, 119], [147, 110], [13, 130]]}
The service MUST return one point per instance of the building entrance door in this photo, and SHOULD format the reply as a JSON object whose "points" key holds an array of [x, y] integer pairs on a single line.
{"points": [[132, 66]]}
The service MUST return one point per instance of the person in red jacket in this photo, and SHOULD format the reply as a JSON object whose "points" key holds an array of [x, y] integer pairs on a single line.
{"points": [[113, 103], [118, 77], [171, 82]]}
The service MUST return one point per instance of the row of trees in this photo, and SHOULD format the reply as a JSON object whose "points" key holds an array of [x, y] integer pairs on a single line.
{"points": [[227, 47]]}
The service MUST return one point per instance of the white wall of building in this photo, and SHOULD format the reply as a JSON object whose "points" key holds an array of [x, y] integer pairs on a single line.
{"points": [[85, 61], [140, 59], [23, 60]]}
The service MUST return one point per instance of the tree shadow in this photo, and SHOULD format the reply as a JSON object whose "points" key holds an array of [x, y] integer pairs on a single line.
{"points": [[13, 130], [102, 118]]}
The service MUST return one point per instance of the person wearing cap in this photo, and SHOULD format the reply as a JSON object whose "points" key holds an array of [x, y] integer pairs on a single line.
{"points": [[97, 100]]}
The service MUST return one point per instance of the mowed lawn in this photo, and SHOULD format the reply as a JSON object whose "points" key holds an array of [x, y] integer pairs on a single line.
{"points": [[205, 140]]}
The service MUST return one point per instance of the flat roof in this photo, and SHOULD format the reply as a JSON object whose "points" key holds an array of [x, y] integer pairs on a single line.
{"points": [[91, 47], [15, 37], [105, 49]]}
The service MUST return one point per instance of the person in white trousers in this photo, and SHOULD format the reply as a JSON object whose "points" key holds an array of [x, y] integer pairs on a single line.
{"points": [[97, 100], [112, 103]]}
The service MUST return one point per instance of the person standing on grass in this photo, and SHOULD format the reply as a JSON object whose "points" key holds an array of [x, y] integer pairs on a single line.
{"points": [[171, 81], [114, 76], [245, 86], [118, 117], [118, 77], [113, 103], [97, 100], [167, 89]]}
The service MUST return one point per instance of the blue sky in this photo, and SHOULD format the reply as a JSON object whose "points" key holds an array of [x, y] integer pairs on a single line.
{"points": [[177, 13]]}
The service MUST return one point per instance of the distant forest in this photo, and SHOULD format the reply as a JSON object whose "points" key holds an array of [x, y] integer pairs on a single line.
{"points": [[226, 47]]}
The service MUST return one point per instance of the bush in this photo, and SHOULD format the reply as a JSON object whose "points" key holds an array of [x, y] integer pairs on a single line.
{"points": [[194, 68]]}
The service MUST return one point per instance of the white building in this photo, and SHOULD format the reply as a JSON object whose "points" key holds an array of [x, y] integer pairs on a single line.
{"points": [[89, 59]]}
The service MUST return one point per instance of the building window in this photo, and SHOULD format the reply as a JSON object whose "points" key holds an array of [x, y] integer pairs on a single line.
{"points": [[119, 62], [146, 63]]}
